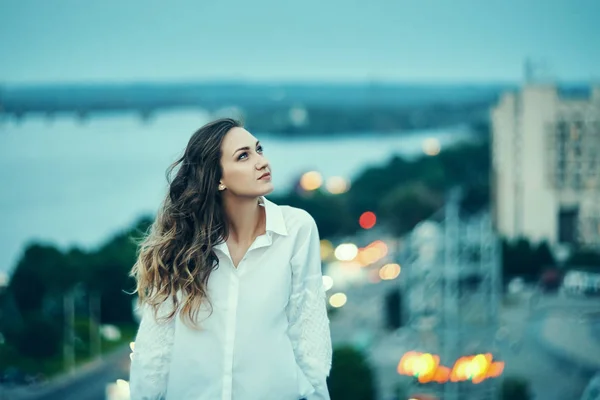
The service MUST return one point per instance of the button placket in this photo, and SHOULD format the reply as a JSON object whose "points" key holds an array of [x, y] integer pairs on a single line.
{"points": [[230, 336]]}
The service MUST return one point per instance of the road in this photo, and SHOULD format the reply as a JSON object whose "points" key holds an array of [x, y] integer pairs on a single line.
{"points": [[551, 376], [93, 386], [86, 384]]}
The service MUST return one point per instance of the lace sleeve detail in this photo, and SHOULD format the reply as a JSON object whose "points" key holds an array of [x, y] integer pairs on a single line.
{"points": [[151, 356], [307, 313], [310, 329]]}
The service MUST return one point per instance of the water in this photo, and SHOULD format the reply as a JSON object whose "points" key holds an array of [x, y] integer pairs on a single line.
{"points": [[70, 183]]}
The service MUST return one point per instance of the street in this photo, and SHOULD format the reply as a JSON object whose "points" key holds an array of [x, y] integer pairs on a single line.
{"points": [[85, 384], [552, 375]]}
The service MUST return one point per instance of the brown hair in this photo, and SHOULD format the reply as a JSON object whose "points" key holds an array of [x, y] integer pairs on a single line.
{"points": [[176, 254]]}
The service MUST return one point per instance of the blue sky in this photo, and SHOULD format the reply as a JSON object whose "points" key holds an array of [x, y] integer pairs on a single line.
{"points": [[341, 40]]}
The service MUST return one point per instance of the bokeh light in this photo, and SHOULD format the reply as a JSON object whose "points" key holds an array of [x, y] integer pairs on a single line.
{"points": [[367, 220], [311, 180], [337, 185], [389, 271], [372, 253], [327, 282], [431, 146], [346, 252], [337, 300]]}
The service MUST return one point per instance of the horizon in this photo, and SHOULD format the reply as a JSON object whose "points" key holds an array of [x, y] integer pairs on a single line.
{"points": [[68, 41], [299, 82]]}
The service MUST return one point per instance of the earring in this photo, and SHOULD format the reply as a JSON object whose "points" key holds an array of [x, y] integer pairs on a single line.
{"points": [[221, 187]]}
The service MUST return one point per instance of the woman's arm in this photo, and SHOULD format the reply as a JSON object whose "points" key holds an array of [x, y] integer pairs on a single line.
{"points": [[151, 356], [307, 312]]}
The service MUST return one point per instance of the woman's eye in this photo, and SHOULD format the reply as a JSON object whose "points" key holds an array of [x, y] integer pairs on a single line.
{"points": [[259, 149], [243, 155]]}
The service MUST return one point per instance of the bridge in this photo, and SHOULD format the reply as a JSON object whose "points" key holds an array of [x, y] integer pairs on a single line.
{"points": [[83, 100], [145, 100]]}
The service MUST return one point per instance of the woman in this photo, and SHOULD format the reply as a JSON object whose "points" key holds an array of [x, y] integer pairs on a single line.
{"points": [[229, 283]]}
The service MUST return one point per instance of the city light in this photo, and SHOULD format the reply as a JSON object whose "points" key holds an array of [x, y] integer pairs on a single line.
{"points": [[426, 368], [431, 146], [311, 181], [367, 220], [420, 365], [346, 252], [327, 282], [337, 185], [372, 253], [476, 368], [337, 300], [389, 271], [381, 247]]}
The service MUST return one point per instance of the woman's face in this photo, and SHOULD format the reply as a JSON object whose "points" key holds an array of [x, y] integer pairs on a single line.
{"points": [[246, 172]]}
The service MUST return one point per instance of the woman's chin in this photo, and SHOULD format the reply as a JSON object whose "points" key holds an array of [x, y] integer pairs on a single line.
{"points": [[267, 189]]}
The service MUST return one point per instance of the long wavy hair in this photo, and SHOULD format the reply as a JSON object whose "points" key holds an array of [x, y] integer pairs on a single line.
{"points": [[176, 256]]}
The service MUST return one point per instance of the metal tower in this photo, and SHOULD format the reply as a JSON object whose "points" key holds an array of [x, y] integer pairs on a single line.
{"points": [[452, 287]]}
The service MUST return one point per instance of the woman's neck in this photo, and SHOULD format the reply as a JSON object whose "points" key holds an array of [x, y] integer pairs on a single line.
{"points": [[245, 217]]}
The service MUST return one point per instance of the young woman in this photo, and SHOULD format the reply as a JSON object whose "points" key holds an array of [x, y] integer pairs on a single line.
{"points": [[229, 284]]}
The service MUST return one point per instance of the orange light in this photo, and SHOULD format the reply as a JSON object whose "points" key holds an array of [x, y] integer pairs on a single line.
{"points": [[421, 366], [426, 368], [367, 220], [381, 247], [405, 364], [496, 369], [442, 374], [459, 370], [476, 368], [311, 180]]}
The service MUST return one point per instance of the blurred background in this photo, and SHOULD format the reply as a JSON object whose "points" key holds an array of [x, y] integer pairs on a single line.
{"points": [[448, 151]]}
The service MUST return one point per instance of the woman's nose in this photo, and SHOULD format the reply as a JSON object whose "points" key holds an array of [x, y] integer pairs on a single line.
{"points": [[262, 163]]}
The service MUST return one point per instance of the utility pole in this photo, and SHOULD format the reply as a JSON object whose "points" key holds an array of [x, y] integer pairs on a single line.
{"points": [[69, 331], [94, 311]]}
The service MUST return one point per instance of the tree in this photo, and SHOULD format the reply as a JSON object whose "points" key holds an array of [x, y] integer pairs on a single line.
{"points": [[543, 257], [515, 388], [408, 205], [42, 272], [351, 376], [330, 212], [520, 258], [585, 258], [40, 337], [109, 269], [476, 197]]}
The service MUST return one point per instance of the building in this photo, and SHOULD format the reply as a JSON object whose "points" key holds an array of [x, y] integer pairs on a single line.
{"points": [[546, 166]]}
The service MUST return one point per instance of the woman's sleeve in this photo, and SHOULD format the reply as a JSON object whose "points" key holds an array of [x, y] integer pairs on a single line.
{"points": [[151, 356], [307, 313]]}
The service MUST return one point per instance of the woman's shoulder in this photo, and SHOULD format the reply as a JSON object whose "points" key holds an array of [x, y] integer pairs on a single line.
{"points": [[297, 217]]}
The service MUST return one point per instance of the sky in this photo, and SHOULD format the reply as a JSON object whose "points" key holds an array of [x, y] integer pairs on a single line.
{"points": [[57, 41]]}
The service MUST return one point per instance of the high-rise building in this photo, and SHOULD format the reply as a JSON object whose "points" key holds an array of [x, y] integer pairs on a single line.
{"points": [[546, 166]]}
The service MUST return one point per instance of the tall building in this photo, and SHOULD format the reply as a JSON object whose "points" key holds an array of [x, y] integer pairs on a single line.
{"points": [[546, 166]]}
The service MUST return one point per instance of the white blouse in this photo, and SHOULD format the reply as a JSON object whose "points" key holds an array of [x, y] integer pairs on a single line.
{"points": [[268, 336]]}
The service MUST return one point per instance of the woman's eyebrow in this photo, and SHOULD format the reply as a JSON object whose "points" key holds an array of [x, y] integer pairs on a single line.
{"points": [[246, 147]]}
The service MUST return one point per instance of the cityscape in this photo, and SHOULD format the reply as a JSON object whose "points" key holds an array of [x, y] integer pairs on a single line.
{"points": [[459, 221]]}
